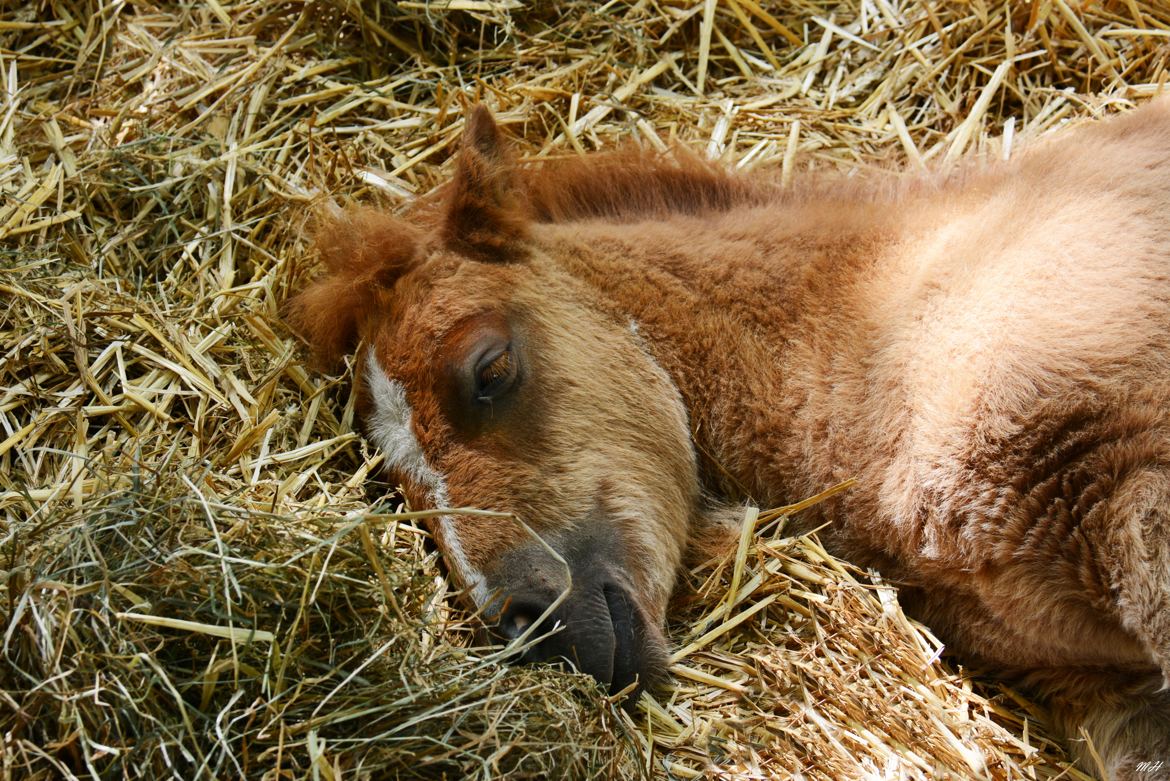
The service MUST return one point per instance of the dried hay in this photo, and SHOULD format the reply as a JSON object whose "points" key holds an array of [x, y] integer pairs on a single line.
{"points": [[199, 575]]}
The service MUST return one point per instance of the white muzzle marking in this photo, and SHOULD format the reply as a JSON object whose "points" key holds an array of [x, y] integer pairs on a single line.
{"points": [[390, 429]]}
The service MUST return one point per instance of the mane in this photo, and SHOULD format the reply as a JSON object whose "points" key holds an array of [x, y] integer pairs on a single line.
{"points": [[634, 184]]}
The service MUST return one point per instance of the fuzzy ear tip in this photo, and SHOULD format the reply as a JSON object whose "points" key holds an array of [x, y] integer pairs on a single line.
{"points": [[482, 133], [481, 113]]}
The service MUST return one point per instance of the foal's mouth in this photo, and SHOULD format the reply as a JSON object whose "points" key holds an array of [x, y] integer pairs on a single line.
{"points": [[631, 653]]}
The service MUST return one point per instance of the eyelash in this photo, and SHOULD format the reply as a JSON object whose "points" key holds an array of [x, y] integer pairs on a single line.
{"points": [[498, 368], [496, 377]]}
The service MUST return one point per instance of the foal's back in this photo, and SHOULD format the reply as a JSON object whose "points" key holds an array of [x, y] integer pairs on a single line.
{"points": [[1017, 397]]}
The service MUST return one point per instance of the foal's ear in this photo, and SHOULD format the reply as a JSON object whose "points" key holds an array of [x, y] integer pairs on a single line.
{"points": [[365, 251], [485, 216], [482, 135]]}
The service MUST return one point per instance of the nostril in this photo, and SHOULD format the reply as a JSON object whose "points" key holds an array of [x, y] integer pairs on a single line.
{"points": [[518, 624], [516, 617]]}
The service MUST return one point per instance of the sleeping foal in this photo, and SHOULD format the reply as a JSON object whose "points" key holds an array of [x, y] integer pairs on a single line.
{"points": [[595, 348]]}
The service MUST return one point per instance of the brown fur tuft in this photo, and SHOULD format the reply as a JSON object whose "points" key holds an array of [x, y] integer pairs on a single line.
{"points": [[364, 252]]}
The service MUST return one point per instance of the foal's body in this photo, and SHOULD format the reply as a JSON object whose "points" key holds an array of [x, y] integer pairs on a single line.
{"points": [[989, 356]]}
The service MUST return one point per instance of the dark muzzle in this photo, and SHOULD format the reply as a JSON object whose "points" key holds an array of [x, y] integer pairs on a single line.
{"points": [[598, 631], [597, 628]]}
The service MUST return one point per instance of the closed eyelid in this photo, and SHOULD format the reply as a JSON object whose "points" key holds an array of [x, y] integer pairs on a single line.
{"points": [[498, 367]]}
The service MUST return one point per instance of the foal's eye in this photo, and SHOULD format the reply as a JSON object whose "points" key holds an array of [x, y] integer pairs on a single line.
{"points": [[494, 374]]}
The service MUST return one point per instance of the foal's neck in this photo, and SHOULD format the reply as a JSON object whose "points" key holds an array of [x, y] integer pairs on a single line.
{"points": [[755, 315]]}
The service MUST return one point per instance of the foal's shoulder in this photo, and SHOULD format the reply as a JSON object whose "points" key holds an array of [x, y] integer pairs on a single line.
{"points": [[1151, 120], [1128, 152]]}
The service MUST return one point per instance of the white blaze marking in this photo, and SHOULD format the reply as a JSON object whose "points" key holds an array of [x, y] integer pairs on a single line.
{"points": [[390, 429]]}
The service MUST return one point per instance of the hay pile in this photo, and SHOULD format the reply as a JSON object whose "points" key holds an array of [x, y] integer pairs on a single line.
{"points": [[199, 577]]}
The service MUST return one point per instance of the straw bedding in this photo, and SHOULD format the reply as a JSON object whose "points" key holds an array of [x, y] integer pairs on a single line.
{"points": [[201, 575]]}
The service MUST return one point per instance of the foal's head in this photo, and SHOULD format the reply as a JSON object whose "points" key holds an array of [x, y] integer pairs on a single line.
{"points": [[489, 379]]}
